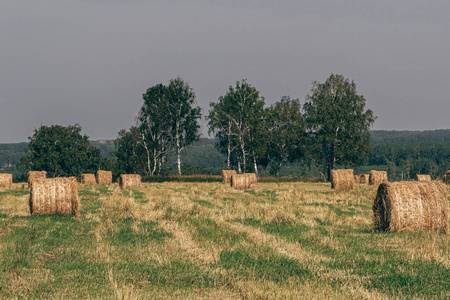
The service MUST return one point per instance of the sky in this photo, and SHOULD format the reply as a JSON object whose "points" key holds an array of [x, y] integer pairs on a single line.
{"points": [[89, 61]]}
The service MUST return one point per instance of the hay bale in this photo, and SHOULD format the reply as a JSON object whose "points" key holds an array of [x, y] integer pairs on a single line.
{"points": [[364, 178], [5, 179], [104, 177], [377, 177], [342, 179], [88, 179], [36, 175], [411, 206], [50, 196], [422, 177], [240, 181], [252, 177], [357, 178], [226, 176], [447, 177], [129, 181]]}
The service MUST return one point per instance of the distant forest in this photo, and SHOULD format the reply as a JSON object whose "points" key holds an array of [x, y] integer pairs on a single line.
{"points": [[402, 153]]}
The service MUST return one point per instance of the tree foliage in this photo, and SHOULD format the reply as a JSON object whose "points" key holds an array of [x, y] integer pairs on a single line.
{"points": [[337, 123], [61, 151]]}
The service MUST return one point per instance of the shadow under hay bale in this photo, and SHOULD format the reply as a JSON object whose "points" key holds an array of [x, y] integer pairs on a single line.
{"points": [[342, 179], [226, 176], [419, 177], [5, 180], [104, 177], [50, 196], [88, 179], [129, 181], [447, 177], [240, 181], [377, 177], [411, 206], [36, 175]]}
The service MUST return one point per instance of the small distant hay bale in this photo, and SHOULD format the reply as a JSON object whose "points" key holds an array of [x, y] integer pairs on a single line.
{"points": [[36, 175], [88, 179], [129, 181], [419, 177], [5, 179], [50, 196], [447, 177], [342, 179], [252, 177], [377, 177], [226, 176], [411, 206], [240, 181], [364, 178], [104, 177]]}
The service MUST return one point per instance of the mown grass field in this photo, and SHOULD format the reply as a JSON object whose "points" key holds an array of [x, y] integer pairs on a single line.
{"points": [[208, 241]]}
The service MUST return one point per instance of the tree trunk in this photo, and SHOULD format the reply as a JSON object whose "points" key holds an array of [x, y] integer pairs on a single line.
{"points": [[256, 165], [179, 160]]}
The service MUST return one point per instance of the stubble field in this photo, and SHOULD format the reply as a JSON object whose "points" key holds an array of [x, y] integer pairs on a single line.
{"points": [[209, 241]]}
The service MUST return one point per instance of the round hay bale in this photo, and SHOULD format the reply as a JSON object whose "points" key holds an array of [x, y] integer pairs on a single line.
{"points": [[364, 178], [411, 206], [419, 177], [377, 177], [35, 175], [50, 196], [5, 179], [357, 178], [226, 176], [240, 181], [129, 181], [447, 177], [88, 179], [252, 177], [342, 179], [104, 177]]}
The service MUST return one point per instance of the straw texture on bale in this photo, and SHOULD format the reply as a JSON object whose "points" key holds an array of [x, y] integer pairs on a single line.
{"points": [[88, 179], [51, 196], [104, 177], [411, 206], [36, 175], [419, 177], [240, 181], [342, 179], [5, 179], [377, 177], [447, 177], [252, 177], [226, 176], [129, 181]]}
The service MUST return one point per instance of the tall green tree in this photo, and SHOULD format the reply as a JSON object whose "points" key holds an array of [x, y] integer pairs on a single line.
{"points": [[286, 129], [236, 122], [168, 121], [184, 116], [61, 151], [337, 123], [130, 153]]}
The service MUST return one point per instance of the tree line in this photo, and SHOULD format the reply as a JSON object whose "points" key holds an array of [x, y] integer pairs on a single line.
{"points": [[330, 129]]}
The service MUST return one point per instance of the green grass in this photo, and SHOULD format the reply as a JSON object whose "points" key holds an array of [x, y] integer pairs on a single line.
{"points": [[205, 240]]}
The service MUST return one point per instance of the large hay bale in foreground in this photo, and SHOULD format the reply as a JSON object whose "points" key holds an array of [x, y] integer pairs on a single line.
{"points": [[88, 179], [447, 177], [420, 177], [129, 181], [226, 176], [36, 175], [51, 196], [377, 177], [411, 206], [5, 179], [252, 177], [240, 181], [342, 179], [104, 177]]}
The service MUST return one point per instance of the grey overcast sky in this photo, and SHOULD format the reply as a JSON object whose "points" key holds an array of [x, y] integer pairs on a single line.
{"points": [[90, 61]]}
